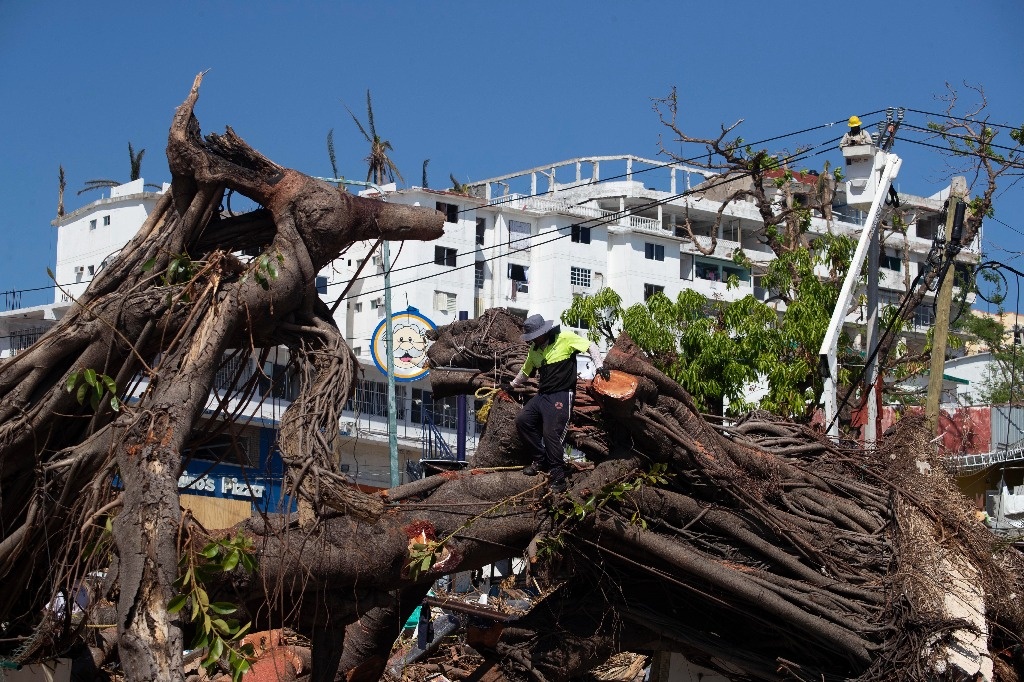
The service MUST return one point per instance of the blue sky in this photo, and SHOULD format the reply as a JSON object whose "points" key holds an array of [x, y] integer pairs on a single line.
{"points": [[479, 88]]}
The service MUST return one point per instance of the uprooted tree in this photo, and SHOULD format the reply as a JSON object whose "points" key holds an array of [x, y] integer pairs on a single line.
{"points": [[758, 548]]}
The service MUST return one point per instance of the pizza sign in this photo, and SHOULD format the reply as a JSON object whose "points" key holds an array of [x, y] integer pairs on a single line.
{"points": [[410, 329]]}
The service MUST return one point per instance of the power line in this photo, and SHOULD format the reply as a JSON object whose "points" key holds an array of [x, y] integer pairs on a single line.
{"points": [[599, 222], [799, 156], [1009, 164], [966, 138], [963, 118], [1005, 225], [692, 159]]}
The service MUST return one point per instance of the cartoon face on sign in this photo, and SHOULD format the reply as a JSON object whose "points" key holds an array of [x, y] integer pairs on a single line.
{"points": [[410, 348], [409, 329]]}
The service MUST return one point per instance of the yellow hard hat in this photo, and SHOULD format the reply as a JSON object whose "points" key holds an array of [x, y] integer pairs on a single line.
{"points": [[854, 122]]}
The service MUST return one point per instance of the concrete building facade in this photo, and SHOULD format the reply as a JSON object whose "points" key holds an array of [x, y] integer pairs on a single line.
{"points": [[529, 241]]}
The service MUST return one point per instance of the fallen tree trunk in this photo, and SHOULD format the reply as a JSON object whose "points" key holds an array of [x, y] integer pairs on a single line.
{"points": [[759, 549]]}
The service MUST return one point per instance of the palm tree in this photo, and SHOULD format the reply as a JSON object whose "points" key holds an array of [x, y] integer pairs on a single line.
{"points": [[380, 165], [424, 183], [62, 184], [458, 187], [135, 173]]}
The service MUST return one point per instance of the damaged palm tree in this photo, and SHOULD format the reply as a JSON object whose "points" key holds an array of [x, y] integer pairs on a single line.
{"points": [[759, 548]]}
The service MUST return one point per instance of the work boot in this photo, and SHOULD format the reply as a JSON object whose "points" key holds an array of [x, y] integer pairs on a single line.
{"points": [[531, 470]]}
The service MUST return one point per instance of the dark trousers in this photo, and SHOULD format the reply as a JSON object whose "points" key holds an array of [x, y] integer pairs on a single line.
{"points": [[542, 426]]}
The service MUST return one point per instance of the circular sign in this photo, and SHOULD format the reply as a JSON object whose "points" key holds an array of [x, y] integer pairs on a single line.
{"points": [[410, 346]]}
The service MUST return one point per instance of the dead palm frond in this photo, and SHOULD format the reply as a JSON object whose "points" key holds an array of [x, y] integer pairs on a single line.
{"points": [[379, 163]]}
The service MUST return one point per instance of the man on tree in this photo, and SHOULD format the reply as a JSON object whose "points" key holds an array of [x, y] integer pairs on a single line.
{"points": [[544, 420]]}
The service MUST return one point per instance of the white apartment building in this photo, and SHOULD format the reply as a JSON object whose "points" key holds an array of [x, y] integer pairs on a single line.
{"points": [[528, 241]]}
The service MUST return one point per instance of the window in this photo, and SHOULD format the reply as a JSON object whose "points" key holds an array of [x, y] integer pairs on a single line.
{"points": [[226, 448], [377, 302], [106, 220], [481, 230], [731, 230], [685, 266], [321, 285], [654, 251], [652, 289], [371, 398], [520, 276], [357, 351], [445, 256], [519, 235], [894, 263], [924, 315], [445, 302], [579, 277], [478, 274], [578, 323], [92, 224], [719, 271], [277, 382], [359, 307], [580, 234], [440, 412], [92, 270], [927, 227], [451, 211]]}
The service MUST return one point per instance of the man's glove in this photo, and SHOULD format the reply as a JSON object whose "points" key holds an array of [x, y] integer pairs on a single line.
{"points": [[507, 387], [604, 373]]}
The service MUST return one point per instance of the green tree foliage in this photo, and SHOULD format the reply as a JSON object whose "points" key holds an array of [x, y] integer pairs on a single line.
{"points": [[717, 349], [1003, 380]]}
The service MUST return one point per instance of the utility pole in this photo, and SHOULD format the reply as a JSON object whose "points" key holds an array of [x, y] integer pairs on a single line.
{"points": [[389, 339], [955, 209]]}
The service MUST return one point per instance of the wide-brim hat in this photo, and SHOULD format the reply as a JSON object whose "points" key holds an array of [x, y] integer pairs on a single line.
{"points": [[536, 326]]}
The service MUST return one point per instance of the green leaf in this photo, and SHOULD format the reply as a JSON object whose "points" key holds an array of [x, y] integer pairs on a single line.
{"points": [[108, 525], [109, 383], [115, 404], [148, 265], [222, 626], [216, 648], [241, 669], [82, 391], [211, 550], [204, 599], [177, 603], [241, 631], [248, 562], [90, 376], [201, 640], [72, 381], [224, 608], [230, 561]]}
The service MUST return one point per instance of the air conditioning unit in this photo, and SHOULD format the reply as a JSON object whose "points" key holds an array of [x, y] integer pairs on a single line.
{"points": [[378, 260], [79, 269]]}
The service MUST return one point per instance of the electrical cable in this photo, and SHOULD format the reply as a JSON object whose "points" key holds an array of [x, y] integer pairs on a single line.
{"points": [[692, 159], [613, 177], [963, 118], [966, 138], [596, 222], [1009, 164]]}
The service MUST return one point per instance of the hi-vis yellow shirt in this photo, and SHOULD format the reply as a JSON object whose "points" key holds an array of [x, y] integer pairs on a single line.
{"points": [[556, 361]]}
